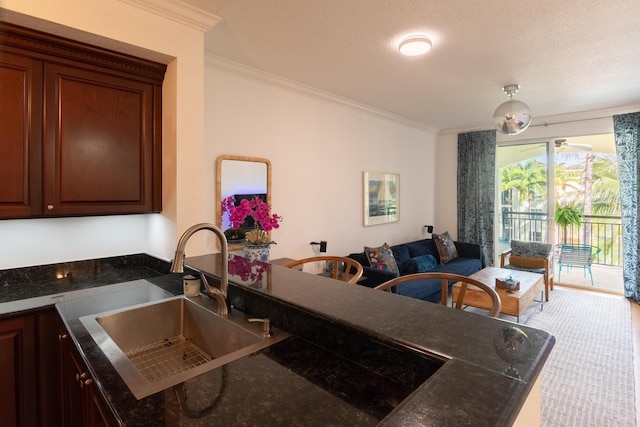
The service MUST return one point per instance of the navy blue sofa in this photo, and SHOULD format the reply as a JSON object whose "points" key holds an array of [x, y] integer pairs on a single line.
{"points": [[469, 261]]}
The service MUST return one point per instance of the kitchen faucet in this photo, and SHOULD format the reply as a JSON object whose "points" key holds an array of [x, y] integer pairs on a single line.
{"points": [[177, 266]]}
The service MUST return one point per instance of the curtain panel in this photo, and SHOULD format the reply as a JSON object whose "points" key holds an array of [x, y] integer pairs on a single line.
{"points": [[476, 190], [627, 128]]}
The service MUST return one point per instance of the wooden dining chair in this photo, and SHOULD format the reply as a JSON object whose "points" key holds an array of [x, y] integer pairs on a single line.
{"points": [[446, 278], [340, 268]]}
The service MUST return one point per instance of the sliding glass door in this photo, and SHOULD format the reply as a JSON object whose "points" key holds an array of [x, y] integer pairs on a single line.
{"points": [[523, 197]]}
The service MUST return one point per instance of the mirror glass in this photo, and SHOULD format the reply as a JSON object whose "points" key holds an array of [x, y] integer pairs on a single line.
{"points": [[241, 177]]}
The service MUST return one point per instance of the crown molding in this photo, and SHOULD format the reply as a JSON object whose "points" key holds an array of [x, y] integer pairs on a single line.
{"points": [[559, 119], [178, 11], [263, 77], [584, 115]]}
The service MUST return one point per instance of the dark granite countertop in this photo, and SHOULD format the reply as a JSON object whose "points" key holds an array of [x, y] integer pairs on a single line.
{"points": [[22, 284], [356, 356], [471, 376], [292, 383]]}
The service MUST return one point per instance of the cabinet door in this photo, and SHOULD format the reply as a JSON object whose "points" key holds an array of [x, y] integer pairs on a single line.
{"points": [[49, 378], [21, 135], [98, 143], [18, 379], [73, 398], [82, 404]]}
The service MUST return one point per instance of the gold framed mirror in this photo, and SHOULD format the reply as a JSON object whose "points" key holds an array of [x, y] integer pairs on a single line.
{"points": [[240, 176]]}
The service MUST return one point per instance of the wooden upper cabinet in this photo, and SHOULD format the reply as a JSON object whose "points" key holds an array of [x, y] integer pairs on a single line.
{"points": [[98, 143], [21, 131], [85, 128]]}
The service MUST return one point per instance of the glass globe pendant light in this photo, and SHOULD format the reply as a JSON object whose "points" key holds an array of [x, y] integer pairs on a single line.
{"points": [[511, 117]]}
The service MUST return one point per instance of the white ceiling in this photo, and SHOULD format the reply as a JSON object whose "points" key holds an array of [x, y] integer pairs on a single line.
{"points": [[568, 56]]}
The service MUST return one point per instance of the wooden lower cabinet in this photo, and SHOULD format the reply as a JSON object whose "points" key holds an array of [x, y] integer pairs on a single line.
{"points": [[44, 380], [18, 407], [48, 367], [82, 404]]}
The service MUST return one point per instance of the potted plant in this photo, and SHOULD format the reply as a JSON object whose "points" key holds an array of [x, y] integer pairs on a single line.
{"points": [[565, 215], [235, 234], [257, 241]]}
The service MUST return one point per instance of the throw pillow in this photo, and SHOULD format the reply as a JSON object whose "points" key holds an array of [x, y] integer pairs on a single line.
{"points": [[446, 247], [381, 258], [421, 264]]}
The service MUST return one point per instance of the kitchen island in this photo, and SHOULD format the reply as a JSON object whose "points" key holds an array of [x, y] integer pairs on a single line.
{"points": [[357, 357]]}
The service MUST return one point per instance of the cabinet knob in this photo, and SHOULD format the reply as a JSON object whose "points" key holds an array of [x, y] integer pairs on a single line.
{"points": [[50, 207], [62, 337], [81, 376], [86, 382]]}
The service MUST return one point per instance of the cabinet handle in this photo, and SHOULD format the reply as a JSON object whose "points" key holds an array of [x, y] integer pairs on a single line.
{"points": [[81, 376], [50, 207]]}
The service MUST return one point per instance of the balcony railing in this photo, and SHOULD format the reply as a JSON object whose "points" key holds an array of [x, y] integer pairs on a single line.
{"points": [[602, 231]]}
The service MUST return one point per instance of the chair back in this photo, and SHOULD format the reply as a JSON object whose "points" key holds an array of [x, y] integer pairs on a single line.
{"points": [[527, 254], [351, 272], [531, 249], [445, 278], [578, 255]]}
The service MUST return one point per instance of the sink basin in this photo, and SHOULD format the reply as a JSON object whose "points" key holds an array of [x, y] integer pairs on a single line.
{"points": [[157, 345]]}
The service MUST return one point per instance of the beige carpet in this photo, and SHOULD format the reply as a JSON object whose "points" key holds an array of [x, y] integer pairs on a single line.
{"points": [[588, 379]]}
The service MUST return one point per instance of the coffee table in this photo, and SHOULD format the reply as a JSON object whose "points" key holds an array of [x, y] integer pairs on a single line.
{"points": [[513, 304]]}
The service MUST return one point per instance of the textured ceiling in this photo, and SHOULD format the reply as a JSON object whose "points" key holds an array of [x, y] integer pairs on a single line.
{"points": [[569, 57]]}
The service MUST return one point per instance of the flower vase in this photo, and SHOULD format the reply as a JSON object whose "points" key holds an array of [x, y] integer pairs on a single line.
{"points": [[257, 252], [235, 244]]}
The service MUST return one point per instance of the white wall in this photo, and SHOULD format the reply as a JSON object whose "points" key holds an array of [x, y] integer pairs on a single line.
{"points": [[318, 148], [446, 203]]}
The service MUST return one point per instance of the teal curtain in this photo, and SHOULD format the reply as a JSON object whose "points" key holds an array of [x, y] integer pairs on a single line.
{"points": [[627, 128], [476, 190]]}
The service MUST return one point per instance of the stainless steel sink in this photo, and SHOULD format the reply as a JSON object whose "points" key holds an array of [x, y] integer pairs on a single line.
{"points": [[157, 345]]}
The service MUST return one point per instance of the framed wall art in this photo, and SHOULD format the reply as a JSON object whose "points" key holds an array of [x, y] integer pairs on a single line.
{"points": [[381, 197]]}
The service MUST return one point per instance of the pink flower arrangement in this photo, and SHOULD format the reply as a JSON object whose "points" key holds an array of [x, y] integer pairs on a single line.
{"points": [[256, 209]]}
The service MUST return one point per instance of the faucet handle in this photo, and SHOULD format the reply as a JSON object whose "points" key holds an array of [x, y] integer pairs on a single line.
{"points": [[266, 326]]}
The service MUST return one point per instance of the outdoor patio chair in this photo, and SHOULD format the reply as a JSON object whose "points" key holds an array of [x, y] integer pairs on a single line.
{"points": [[534, 257], [577, 256]]}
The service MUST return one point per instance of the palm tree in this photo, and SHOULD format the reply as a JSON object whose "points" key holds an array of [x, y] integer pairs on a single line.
{"points": [[528, 179], [588, 182], [595, 186], [568, 185], [606, 188]]}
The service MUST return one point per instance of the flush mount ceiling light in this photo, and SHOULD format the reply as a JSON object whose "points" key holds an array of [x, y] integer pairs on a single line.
{"points": [[512, 117], [415, 45]]}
